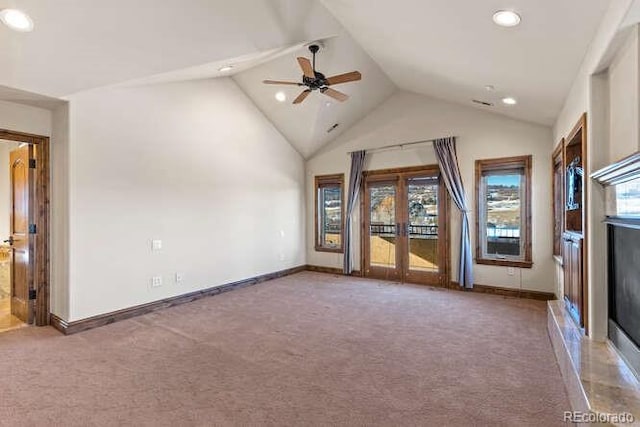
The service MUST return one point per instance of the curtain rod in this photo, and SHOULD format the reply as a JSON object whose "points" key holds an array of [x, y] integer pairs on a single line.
{"points": [[396, 146]]}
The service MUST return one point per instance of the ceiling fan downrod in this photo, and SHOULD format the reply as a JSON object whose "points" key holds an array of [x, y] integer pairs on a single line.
{"points": [[314, 48]]}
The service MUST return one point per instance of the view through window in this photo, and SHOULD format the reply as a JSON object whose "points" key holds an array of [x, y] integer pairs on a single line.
{"points": [[503, 194], [329, 219], [628, 199], [503, 217], [423, 224]]}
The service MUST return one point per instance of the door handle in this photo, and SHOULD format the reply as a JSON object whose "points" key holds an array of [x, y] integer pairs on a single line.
{"points": [[398, 229], [9, 240]]}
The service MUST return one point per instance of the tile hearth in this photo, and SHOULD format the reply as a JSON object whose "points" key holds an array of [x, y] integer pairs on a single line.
{"points": [[596, 377]]}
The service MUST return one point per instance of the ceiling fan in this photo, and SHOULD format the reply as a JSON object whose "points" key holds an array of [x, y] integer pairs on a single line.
{"points": [[315, 80]]}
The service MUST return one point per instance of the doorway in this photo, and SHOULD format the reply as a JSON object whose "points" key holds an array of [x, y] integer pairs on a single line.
{"points": [[405, 233], [24, 230]]}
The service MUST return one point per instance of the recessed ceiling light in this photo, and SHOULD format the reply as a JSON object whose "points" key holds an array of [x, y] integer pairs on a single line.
{"points": [[16, 20], [506, 18], [328, 104], [225, 68], [509, 101], [281, 96], [490, 88]]}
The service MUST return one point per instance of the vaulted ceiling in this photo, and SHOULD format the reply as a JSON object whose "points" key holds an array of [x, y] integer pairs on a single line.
{"points": [[448, 49], [451, 49], [309, 125]]}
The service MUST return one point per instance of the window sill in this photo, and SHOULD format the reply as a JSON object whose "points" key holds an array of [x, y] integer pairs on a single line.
{"points": [[332, 250], [505, 263]]}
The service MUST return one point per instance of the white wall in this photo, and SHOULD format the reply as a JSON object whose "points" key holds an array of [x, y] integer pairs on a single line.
{"points": [[194, 164], [25, 118], [624, 99], [410, 117], [577, 101], [592, 93], [59, 207]]}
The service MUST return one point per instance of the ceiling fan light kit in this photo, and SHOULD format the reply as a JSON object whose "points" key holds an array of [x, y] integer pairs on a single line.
{"points": [[315, 80]]}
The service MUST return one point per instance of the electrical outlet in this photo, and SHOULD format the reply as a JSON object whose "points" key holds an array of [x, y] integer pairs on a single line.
{"points": [[178, 278], [511, 271], [156, 245], [156, 281]]}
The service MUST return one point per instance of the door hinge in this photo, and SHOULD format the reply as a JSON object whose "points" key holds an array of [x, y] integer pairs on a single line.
{"points": [[32, 294], [32, 163], [32, 229]]}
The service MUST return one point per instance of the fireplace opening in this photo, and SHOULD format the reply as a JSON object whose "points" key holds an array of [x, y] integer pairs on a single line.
{"points": [[624, 289]]}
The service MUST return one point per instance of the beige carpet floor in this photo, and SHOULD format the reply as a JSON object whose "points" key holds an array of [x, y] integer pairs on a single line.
{"points": [[308, 349]]}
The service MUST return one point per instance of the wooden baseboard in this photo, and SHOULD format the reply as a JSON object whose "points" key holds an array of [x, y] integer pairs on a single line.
{"points": [[507, 292], [69, 328], [74, 327], [330, 270]]}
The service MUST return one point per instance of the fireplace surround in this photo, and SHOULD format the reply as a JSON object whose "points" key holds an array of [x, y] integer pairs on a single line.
{"points": [[622, 183]]}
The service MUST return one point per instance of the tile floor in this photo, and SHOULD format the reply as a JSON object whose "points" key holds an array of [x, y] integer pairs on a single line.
{"points": [[7, 321]]}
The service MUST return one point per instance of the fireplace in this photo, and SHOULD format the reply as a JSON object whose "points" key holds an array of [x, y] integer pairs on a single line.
{"points": [[622, 190], [624, 288]]}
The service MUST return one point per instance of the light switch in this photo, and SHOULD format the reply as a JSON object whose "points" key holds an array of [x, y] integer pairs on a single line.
{"points": [[156, 281], [156, 245]]}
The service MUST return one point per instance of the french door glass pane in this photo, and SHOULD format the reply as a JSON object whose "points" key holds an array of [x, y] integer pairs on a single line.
{"points": [[503, 214], [423, 224], [382, 228]]}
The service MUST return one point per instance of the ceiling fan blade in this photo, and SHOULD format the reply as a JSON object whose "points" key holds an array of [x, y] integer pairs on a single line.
{"points": [[344, 78], [302, 96], [279, 82], [339, 96], [307, 68]]}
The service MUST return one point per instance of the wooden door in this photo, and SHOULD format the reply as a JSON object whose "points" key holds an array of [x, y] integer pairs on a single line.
{"points": [[576, 279], [20, 238], [573, 277], [405, 232], [566, 265], [424, 229]]}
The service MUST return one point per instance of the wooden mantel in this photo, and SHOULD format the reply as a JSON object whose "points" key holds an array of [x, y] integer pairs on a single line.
{"points": [[619, 172]]}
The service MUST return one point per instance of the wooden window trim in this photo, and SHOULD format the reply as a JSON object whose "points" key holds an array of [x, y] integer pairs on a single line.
{"points": [[505, 164], [326, 180], [557, 158]]}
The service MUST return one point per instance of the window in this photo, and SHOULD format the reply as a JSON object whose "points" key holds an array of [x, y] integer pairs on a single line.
{"points": [[558, 198], [329, 220], [503, 195], [628, 199]]}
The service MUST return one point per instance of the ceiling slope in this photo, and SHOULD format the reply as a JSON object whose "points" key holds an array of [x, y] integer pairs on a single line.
{"points": [[79, 45], [451, 49]]}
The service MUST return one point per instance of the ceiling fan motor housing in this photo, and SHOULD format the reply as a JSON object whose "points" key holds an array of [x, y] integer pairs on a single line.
{"points": [[315, 80], [320, 79], [316, 83]]}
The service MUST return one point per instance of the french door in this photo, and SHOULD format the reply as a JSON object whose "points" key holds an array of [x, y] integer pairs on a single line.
{"points": [[405, 226]]}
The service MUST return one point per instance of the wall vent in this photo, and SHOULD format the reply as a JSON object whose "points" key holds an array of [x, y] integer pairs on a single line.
{"points": [[332, 128], [485, 103]]}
